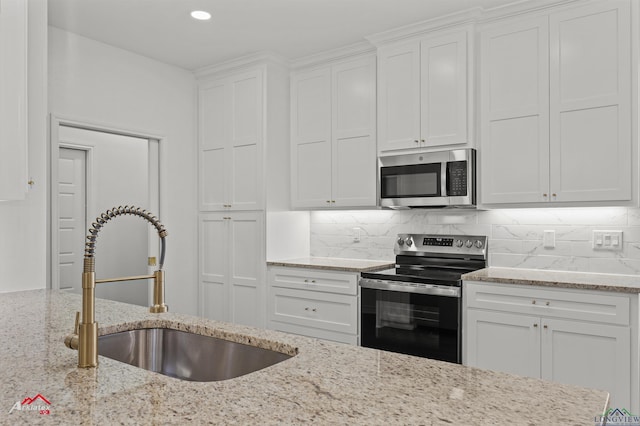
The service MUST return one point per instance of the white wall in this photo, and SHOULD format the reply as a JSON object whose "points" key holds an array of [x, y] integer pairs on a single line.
{"points": [[23, 224], [515, 235], [100, 84]]}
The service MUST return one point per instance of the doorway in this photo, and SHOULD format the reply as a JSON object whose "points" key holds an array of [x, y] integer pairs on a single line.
{"points": [[97, 170]]}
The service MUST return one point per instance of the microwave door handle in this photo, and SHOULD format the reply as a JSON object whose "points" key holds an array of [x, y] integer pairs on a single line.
{"points": [[444, 179]]}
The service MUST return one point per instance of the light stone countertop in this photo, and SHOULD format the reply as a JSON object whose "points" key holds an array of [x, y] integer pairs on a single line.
{"points": [[325, 383], [561, 279], [335, 264]]}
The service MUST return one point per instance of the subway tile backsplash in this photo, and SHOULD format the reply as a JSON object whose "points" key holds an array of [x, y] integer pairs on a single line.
{"points": [[515, 235]]}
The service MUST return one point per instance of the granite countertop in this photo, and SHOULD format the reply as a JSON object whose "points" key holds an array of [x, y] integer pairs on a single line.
{"points": [[561, 279], [335, 264], [325, 383]]}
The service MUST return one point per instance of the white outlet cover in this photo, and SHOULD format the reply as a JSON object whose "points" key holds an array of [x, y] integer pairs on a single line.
{"points": [[607, 240]]}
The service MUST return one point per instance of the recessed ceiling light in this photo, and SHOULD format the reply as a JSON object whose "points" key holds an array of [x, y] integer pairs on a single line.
{"points": [[200, 15]]}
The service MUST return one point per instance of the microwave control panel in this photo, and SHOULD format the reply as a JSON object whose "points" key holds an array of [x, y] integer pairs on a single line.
{"points": [[457, 178]]}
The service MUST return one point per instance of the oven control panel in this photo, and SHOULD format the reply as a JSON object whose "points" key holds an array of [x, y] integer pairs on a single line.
{"points": [[446, 244]]}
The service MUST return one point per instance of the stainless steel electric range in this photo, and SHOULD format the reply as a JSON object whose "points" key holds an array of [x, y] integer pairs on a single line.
{"points": [[416, 307]]}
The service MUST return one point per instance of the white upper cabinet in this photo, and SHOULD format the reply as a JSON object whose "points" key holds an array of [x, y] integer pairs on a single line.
{"points": [[231, 142], [590, 103], [555, 115], [333, 144], [13, 99], [514, 112], [423, 93]]}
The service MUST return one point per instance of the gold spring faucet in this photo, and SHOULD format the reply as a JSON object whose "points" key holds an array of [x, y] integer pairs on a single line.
{"points": [[85, 334]]}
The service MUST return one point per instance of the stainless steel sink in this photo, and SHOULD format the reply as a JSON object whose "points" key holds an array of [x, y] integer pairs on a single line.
{"points": [[185, 355]]}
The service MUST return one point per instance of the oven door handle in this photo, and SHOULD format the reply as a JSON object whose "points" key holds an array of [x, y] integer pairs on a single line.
{"points": [[429, 289]]}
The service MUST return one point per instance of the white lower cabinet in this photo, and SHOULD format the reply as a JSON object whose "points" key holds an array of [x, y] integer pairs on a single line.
{"points": [[575, 337], [314, 303], [231, 267]]}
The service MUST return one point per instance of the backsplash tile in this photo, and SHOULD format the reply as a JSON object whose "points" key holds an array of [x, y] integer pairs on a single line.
{"points": [[515, 235]]}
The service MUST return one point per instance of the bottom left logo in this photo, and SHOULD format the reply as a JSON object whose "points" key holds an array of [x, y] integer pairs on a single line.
{"points": [[38, 403]]}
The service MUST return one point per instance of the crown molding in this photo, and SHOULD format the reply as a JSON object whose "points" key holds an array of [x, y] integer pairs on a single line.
{"points": [[241, 63], [417, 29], [360, 48], [523, 6]]}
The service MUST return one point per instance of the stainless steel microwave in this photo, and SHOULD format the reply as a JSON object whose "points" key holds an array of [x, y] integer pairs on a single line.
{"points": [[428, 179]]}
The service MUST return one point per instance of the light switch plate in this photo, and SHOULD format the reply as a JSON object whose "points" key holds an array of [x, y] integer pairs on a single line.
{"points": [[549, 239], [607, 240]]}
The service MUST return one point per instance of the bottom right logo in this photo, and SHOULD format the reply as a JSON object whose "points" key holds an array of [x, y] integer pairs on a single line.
{"points": [[618, 417]]}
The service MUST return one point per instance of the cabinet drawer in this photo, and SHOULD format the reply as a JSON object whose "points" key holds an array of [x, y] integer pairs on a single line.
{"points": [[325, 311], [316, 333], [308, 279], [543, 301]]}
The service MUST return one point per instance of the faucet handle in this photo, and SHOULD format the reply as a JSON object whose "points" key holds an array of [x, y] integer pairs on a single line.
{"points": [[76, 328]]}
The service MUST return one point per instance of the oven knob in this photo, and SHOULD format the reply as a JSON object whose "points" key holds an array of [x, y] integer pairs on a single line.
{"points": [[478, 243], [459, 243], [408, 242], [400, 241], [469, 243]]}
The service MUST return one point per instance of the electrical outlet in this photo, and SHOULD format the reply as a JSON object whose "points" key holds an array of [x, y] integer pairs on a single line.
{"points": [[607, 240], [549, 239], [356, 234]]}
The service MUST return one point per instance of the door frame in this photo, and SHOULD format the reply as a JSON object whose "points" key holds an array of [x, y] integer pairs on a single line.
{"points": [[55, 121]]}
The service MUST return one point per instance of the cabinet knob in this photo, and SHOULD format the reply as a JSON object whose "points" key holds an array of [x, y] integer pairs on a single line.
{"points": [[533, 302], [544, 195], [314, 309], [333, 201], [535, 325], [306, 309], [548, 303], [306, 281], [328, 201], [554, 195], [416, 141], [313, 281], [422, 140], [545, 326]]}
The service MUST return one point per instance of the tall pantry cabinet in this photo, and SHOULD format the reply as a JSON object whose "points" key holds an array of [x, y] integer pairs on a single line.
{"points": [[13, 99], [243, 125]]}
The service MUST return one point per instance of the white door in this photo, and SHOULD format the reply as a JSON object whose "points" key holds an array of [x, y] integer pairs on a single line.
{"points": [[247, 268], [399, 97], [214, 275], [514, 113], [443, 84], [590, 121], [503, 342], [592, 355], [311, 139], [72, 223], [246, 141], [117, 174], [353, 140]]}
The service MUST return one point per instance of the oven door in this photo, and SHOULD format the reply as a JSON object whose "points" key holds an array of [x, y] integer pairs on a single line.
{"points": [[426, 325]]}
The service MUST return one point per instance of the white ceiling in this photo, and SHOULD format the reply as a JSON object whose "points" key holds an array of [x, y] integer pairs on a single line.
{"points": [[163, 29]]}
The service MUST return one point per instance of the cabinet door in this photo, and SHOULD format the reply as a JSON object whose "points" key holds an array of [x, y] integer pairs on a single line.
{"points": [[13, 99], [214, 150], [213, 270], [399, 97], [503, 342], [591, 355], [246, 142], [353, 141], [246, 268], [514, 113], [590, 103], [443, 82], [311, 139]]}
